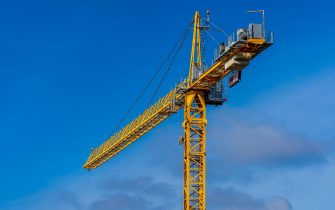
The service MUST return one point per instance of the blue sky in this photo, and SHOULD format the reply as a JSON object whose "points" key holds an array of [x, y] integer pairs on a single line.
{"points": [[70, 69]]}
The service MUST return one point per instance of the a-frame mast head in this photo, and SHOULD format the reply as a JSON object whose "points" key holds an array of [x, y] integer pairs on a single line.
{"points": [[196, 59]]}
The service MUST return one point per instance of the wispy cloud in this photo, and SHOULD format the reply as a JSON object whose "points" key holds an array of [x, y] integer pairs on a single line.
{"points": [[112, 192], [101, 193], [292, 125], [230, 198], [244, 143]]}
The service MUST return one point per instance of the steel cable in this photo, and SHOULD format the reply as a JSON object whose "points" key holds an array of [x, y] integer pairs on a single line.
{"points": [[182, 38]]}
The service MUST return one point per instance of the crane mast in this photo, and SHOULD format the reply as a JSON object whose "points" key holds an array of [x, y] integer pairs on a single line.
{"points": [[192, 95], [195, 130]]}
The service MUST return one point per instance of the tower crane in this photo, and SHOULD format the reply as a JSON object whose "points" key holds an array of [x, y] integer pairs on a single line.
{"points": [[201, 88]]}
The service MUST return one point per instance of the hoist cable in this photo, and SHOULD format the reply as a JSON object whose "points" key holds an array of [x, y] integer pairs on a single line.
{"points": [[183, 37], [212, 37], [218, 28], [150, 81]]}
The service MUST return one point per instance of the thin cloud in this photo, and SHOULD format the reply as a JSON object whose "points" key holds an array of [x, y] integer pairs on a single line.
{"points": [[261, 144], [231, 199], [112, 192]]}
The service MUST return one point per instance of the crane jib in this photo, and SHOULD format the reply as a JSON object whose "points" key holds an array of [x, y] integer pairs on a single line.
{"points": [[173, 101]]}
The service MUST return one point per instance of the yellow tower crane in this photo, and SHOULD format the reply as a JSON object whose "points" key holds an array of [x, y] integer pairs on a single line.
{"points": [[192, 95]]}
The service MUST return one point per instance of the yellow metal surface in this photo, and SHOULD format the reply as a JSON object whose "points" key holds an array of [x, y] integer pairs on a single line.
{"points": [[195, 151], [256, 41]]}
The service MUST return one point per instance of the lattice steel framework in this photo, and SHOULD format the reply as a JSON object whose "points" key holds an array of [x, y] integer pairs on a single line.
{"points": [[171, 103], [195, 151], [190, 95]]}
